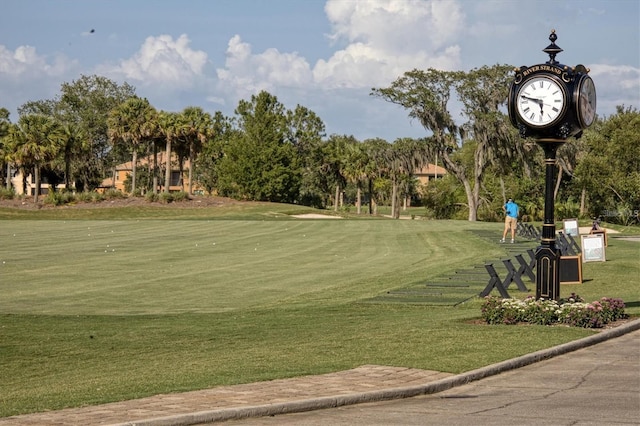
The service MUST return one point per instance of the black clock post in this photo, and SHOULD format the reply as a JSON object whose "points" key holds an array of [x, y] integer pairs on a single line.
{"points": [[551, 102]]}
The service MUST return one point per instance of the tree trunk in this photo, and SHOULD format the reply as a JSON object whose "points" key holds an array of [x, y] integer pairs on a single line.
{"points": [[25, 184], [155, 167], [459, 173], [36, 175], [394, 202], [9, 176], [67, 172], [167, 173], [85, 179], [134, 163], [181, 168], [583, 201], [558, 180], [371, 196], [358, 199], [191, 169], [473, 208], [336, 199]]}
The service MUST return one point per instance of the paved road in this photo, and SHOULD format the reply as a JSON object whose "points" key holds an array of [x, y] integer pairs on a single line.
{"points": [[596, 385]]}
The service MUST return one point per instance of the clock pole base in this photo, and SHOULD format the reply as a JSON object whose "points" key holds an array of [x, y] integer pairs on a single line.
{"points": [[548, 273]]}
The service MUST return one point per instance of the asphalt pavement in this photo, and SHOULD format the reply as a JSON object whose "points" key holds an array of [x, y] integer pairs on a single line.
{"points": [[598, 384]]}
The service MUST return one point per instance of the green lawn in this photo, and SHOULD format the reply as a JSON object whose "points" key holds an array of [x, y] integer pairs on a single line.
{"points": [[134, 302]]}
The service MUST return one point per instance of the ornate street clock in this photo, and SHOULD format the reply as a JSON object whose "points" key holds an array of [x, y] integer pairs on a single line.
{"points": [[541, 101], [551, 102]]}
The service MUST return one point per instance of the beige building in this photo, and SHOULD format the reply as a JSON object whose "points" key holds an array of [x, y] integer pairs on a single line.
{"points": [[178, 182], [120, 174], [17, 179], [429, 173]]}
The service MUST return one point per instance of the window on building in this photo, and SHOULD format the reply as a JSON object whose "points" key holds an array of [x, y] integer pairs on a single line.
{"points": [[175, 179]]}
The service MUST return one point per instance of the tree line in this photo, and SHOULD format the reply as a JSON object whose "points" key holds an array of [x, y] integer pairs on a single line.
{"points": [[267, 152]]}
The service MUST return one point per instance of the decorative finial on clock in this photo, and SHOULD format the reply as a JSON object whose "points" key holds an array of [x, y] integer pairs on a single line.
{"points": [[553, 49]]}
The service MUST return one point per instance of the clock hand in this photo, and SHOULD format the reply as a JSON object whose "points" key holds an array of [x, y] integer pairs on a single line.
{"points": [[538, 101]]}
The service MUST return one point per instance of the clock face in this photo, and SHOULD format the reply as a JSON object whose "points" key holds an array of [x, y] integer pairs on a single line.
{"points": [[586, 102], [540, 101]]}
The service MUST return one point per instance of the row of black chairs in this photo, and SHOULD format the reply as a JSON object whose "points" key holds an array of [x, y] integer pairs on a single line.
{"points": [[514, 274], [526, 230], [567, 244], [564, 242]]}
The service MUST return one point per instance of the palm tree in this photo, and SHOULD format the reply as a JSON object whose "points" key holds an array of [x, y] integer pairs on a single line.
{"points": [[132, 123], [5, 124], [405, 156], [333, 163], [74, 141], [33, 142], [199, 127], [419, 156], [355, 168], [171, 126], [376, 167]]}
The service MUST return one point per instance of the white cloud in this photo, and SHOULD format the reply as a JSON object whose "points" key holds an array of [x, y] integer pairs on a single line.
{"points": [[246, 73], [25, 75], [381, 40], [26, 62], [386, 38], [616, 85], [162, 60]]}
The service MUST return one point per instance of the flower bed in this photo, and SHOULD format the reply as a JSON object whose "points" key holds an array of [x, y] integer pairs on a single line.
{"points": [[572, 311]]}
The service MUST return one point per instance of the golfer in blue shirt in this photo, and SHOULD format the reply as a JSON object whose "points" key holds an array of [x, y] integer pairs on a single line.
{"points": [[511, 211]]}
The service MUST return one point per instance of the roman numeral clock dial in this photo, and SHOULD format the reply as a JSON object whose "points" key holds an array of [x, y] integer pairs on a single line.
{"points": [[540, 102], [586, 102]]}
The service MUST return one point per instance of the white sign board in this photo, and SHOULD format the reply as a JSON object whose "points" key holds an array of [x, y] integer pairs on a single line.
{"points": [[571, 227], [593, 248]]}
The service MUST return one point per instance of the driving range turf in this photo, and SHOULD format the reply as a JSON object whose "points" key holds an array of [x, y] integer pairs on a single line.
{"points": [[114, 304]]}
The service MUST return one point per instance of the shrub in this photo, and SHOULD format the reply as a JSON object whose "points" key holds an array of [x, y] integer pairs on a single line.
{"points": [[90, 197], [151, 197], [572, 311], [114, 194], [97, 197], [7, 194], [59, 198], [85, 197], [180, 196], [165, 197]]}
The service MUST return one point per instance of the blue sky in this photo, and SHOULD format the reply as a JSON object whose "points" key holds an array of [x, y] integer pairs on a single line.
{"points": [[323, 54]]}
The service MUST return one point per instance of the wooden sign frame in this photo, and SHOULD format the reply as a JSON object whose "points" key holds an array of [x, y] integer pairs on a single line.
{"points": [[593, 248], [571, 227], [601, 232], [570, 269]]}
